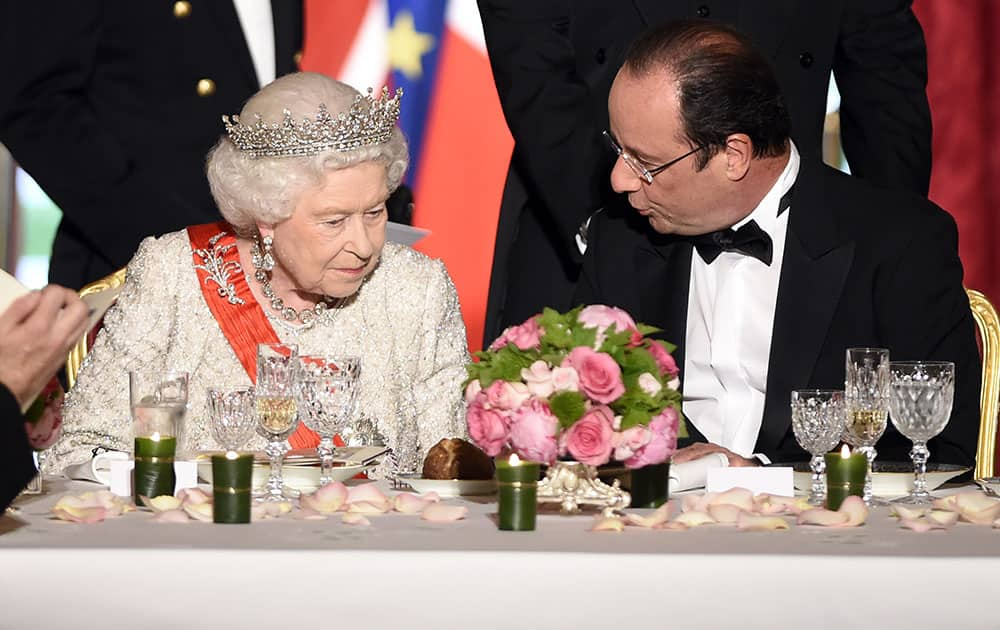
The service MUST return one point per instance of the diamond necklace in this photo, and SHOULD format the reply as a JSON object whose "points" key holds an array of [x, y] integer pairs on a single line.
{"points": [[308, 316]]}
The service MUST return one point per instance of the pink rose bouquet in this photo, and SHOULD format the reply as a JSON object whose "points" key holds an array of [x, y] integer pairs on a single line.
{"points": [[589, 385]]}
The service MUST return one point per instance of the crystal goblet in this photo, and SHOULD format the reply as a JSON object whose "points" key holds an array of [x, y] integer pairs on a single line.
{"points": [[232, 415], [921, 394], [277, 409], [818, 422], [866, 396], [328, 392]]}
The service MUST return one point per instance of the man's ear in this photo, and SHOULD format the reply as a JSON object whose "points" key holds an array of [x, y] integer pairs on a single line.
{"points": [[739, 154]]}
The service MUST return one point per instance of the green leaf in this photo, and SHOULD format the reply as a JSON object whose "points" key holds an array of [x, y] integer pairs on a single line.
{"points": [[568, 407], [634, 417]]}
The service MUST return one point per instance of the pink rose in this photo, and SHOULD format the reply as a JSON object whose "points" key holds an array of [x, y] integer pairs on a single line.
{"points": [[565, 379], [662, 443], [600, 376], [589, 439], [487, 427], [602, 317], [538, 377], [472, 389], [649, 384], [629, 441], [507, 396], [533, 430], [667, 424], [525, 336], [663, 358]]}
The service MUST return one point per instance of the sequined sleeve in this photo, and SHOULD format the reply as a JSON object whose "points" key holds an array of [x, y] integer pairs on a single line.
{"points": [[135, 334]]}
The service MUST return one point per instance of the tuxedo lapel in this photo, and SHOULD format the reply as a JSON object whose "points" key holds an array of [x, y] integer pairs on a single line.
{"points": [[230, 30], [664, 272], [816, 263], [767, 23], [287, 17]]}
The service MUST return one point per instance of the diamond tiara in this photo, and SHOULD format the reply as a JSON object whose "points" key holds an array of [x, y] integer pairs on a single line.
{"points": [[370, 121]]}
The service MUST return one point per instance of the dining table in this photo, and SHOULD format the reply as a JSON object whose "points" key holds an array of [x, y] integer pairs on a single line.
{"points": [[405, 572]]}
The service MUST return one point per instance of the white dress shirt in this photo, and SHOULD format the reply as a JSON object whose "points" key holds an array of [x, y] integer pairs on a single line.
{"points": [[730, 319], [258, 29]]}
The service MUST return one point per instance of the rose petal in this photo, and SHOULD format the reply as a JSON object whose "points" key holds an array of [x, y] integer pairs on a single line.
{"points": [[694, 519], [983, 517], [269, 509], [941, 518], [407, 503], [918, 525], [199, 511], [661, 515], [607, 524], [740, 497], [431, 497], [948, 503], [367, 507], [672, 526], [751, 523], [696, 503], [171, 516], [726, 513], [327, 499], [908, 513], [80, 514], [773, 504], [822, 517], [355, 519], [366, 492], [996, 524], [306, 514], [193, 496], [856, 511], [443, 513], [162, 503], [974, 501]]}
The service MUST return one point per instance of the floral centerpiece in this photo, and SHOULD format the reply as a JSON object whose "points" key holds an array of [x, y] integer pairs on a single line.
{"points": [[589, 385]]}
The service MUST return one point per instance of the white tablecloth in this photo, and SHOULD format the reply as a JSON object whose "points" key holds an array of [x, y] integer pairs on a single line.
{"points": [[404, 572]]}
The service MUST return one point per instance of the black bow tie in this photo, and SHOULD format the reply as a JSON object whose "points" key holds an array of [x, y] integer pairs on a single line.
{"points": [[750, 239]]}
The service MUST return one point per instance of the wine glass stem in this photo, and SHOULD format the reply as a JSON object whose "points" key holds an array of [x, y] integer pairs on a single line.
{"points": [[275, 484], [817, 495], [919, 455], [325, 451], [870, 453]]}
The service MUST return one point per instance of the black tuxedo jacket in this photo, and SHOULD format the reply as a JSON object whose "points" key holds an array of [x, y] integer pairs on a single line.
{"points": [[553, 63], [99, 102], [17, 466], [863, 266]]}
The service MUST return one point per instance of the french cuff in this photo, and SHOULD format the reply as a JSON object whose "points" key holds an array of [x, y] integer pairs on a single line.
{"points": [[762, 458]]}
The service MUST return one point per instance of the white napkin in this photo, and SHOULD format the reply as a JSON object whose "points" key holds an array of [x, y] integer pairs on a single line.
{"points": [[97, 468], [693, 474]]}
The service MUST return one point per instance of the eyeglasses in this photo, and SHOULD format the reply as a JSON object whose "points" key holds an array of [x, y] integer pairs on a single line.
{"points": [[633, 163]]}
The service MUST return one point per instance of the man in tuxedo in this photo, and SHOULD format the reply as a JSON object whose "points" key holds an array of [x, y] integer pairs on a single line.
{"points": [[761, 263], [113, 105], [553, 63], [36, 333]]}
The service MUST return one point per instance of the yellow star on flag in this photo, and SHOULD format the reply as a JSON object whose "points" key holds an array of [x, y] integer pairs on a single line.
{"points": [[407, 46]]}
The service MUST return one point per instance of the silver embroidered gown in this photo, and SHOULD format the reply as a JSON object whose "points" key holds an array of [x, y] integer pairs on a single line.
{"points": [[404, 324]]}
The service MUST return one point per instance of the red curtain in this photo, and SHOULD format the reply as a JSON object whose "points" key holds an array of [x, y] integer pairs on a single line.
{"points": [[963, 89]]}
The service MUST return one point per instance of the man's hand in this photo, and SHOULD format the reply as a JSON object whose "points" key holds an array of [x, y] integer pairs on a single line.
{"points": [[36, 334], [701, 449]]}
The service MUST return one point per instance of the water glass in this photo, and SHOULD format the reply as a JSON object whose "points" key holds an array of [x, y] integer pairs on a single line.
{"points": [[328, 392], [866, 396], [277, 409], [818, 417], [158, 402], [405, 458], [920, 399], [232, 416]]}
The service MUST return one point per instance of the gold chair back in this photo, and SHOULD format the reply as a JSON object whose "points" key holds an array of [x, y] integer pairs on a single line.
{"points": [[989, 397], [79, 351]]}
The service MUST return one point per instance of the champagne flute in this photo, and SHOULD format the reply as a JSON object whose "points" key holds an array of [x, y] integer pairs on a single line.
{"points": [[866, 395], [277, 409], [328, 391], [921, 394], [818, 422]]}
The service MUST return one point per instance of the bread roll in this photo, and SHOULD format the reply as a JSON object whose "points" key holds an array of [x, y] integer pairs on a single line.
{"points": [[454, 458]]}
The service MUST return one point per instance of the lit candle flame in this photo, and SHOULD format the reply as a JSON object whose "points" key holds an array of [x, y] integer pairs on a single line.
{"points": [[845, 452], [514, 460], [155, 437], [232, 454]]}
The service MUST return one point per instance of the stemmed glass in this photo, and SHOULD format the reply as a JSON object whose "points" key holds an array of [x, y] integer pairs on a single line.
{"points": [[818, 421], [920, 399], [233, 418], [866, 394], [328, 391], [277, 409]]}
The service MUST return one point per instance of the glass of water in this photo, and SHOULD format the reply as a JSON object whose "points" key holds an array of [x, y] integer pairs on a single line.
{"points": [[328, 391], [818, 422]]}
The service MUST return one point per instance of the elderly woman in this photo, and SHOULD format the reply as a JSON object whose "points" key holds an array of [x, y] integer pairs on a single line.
{"points": [[301, 177]]}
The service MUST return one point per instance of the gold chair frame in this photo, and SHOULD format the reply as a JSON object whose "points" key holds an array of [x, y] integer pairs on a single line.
{"points": [[79, 351], [989, 397]]}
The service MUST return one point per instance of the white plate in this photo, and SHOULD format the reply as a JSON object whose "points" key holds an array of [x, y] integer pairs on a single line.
{"points": [[301, 478], [894, 480], [451, 487]]}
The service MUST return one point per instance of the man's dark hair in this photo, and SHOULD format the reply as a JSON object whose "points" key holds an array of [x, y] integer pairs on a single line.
{"points": [[724, 84]]}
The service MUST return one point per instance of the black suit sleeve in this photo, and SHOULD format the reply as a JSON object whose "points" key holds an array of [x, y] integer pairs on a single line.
{"points": [[17, 466], [881, 70], [923, 313], [50, 126], [551, 112]]}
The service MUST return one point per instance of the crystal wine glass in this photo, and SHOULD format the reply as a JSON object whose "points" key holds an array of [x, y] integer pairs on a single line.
{"points": [[920, 399], [328, 391], [818, 422], [277, 409], [866, 395], [233, 418]]}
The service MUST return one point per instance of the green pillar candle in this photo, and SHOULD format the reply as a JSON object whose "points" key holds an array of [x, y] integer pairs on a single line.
{"points": [[648, 485], [845, 476], [517, 489], [232, 474], [154, 466]]}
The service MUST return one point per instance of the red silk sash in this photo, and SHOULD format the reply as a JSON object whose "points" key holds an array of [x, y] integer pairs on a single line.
{"points": [[213, 245]]}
